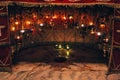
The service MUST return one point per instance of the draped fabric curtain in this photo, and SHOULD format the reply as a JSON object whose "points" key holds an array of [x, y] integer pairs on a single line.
{"points": [[3, 28], [116, 35], [115, 63], [5, 60], [115, 60], [4, 38]]}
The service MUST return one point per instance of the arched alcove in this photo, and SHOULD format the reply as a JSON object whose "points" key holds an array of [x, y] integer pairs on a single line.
{"points": [[83, 33]]}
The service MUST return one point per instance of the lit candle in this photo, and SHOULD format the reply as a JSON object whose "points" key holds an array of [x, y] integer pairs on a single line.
{"points": [[22, 31], [28, 22], [13, 29], [60, 46], [91, 23], [16, 22], [98, 33], [82, 25], [68, 47]]}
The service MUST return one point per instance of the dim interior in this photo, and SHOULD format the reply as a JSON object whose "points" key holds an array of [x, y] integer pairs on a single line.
{"points": [[60, 33]]}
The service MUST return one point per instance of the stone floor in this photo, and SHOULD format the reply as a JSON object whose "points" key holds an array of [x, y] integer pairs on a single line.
{"points": [[59, 71], [84, 64]]}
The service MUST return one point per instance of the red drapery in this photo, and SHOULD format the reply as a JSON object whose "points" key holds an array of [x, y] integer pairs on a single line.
{"points": [[68, 1], [3, 9], [4, 31], [117, 12], [115, 62], [117, 33], [5, 56], [4, 38]]}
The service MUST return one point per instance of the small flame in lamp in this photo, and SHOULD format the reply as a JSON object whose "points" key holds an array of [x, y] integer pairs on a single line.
{"points": [[91, 23], [22, 31], [67, 54], [46, 16], [28, 22], [67, 47], [102, 25], [56, 46], [106, 39], [54, 17], [70, 17], [99, 34], [64, 18], [13, 29], [34, 16], [59, 46], [41, 24], [82, 25], [18, 37], [16, 23], [92, 32]]}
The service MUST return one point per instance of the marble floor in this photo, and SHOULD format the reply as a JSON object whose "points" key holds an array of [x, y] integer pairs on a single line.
{"points": [[59, 71], [38, 64]]}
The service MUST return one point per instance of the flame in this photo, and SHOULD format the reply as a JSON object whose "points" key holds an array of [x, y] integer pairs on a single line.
{"points": [[16, 22], [13, 29], [91, 23], [28, 22]]}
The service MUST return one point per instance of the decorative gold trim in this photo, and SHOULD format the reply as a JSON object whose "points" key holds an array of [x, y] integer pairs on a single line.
{"points": [[118, 11], [116, 46], [2, 8], [4, 43], [116, 17], [29, 4], [118, 43], [117, 5], [63, 4], [3, 39], [4, 3], [3, 13], [4, 62], [115, 67]]}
